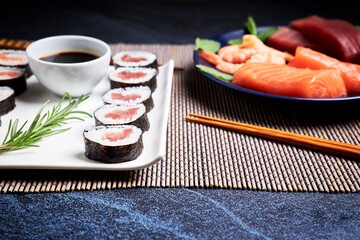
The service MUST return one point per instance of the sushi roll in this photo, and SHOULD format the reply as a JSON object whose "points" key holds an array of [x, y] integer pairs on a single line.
{"points": [[131, 77], [113, 144], [130, 96], [7, 100], [15, 58], [135, 59], [13, 77], [111, 114]]}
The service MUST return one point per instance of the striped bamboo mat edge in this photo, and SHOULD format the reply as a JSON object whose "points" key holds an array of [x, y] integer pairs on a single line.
{"points": [[202, 156]]}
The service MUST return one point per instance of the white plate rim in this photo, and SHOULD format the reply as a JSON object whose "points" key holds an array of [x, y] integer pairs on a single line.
{"points": [[158, 116]]}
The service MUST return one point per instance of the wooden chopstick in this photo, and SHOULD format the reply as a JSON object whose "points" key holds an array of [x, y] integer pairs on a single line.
{"points": [[356, 147], [319, 144], [13, 44]]}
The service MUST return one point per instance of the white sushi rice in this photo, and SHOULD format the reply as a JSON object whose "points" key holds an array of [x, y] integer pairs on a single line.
{"points": [[5, 92], [5, 70], [150, 73], [150, 58], [13, 57], [143, 91], [102, 111], [95, 134]]}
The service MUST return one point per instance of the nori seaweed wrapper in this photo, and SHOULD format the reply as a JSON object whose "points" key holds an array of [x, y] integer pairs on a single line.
{"points": [[7, 104], [112, 154], [19, 83]]}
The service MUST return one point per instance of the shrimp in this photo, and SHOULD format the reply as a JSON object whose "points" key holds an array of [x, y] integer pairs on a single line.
{"points": [[236, 53], [219, 63], [266, 57], [230, 58], [252, 45], [253, 42]]}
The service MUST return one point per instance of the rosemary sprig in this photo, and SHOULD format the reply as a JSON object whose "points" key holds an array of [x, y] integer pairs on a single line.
{"points": [[42, 126]]}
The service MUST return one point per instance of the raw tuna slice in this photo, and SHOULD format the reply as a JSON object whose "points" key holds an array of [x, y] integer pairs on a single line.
{"points": [[135, 59], [290, 81], [340, 38], [132, 77], [287, 40], [130, 96], [111, 114], [123, 97], [308, 58]]}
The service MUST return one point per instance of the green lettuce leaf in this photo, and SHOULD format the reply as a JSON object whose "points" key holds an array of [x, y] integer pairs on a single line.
{"points": [[235, 41], [207, 45], [216, 73]]}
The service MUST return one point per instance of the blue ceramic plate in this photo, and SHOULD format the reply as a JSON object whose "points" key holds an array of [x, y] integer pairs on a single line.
{"points": [[223, 38]]}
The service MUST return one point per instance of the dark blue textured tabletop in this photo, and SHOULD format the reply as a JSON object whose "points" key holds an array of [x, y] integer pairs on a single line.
{"points": [[170, 213]]}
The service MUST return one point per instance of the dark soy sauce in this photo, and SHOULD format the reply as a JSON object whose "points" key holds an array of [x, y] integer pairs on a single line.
{"points": [[69, 57]]}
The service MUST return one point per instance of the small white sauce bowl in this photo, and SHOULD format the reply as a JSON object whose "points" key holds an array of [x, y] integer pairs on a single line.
{"points": [[75, 78]]}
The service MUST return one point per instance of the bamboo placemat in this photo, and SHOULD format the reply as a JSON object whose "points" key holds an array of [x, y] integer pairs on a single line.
{"points": [[202, 156]]}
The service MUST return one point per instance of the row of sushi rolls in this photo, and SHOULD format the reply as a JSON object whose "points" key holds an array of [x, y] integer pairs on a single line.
{"points": [[120, 122], [311, 57]]}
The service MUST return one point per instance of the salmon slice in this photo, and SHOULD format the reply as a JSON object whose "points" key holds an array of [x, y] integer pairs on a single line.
{"points": [[308, 58], [289, 81]]}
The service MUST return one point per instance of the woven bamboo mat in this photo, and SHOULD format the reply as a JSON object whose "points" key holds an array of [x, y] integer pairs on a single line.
{"points": [[202, 156]]}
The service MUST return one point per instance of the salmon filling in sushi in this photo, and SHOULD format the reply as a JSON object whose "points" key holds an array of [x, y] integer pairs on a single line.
{"points": [[131, 77], [15, 58], [7, 100], [111, 114], [130, 96], [13, 77], [113, 144], [7, 74], [135, 59]]}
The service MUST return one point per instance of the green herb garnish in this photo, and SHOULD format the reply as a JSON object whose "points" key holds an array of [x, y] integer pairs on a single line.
{"points": [[266, 33], [251, 27], [42, 125], [216, 73], [207, 45]]}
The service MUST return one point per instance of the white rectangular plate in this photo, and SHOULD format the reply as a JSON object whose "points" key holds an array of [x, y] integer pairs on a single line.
{"points": [[66, 150]]}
